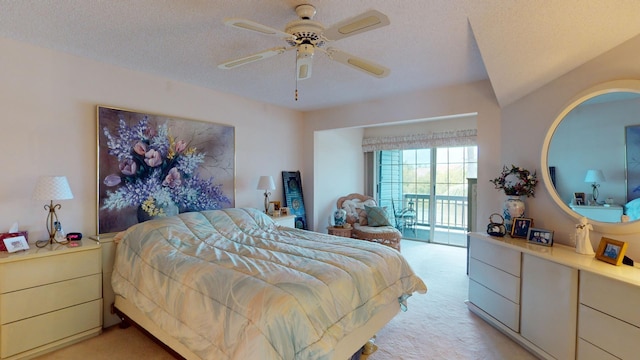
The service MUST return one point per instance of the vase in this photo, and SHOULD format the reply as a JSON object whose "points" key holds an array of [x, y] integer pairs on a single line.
{"points": [[167, 210], [339, 217], [513, 208]]}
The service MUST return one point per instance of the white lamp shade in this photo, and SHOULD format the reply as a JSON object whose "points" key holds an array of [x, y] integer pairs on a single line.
{"points": [[594, 176], [266, 183], [52, 188]]}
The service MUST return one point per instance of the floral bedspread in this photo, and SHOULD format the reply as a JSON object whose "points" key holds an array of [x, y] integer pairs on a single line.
{"points": [[231, 284]]}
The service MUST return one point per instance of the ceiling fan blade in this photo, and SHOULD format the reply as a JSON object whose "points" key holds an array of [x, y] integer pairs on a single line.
{"points": [[304, 61], [230, 64], [358, 63], [369, 20], [245, 24]]}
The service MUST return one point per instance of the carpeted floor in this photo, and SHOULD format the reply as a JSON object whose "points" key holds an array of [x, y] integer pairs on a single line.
{"points": [[436, 326]]}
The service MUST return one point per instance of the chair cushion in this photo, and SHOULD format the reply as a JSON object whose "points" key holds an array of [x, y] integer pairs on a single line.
{"points": [[377, 216]]}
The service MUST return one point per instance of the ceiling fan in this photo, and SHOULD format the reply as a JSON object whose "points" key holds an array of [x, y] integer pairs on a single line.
{"points": [[306, 36]]}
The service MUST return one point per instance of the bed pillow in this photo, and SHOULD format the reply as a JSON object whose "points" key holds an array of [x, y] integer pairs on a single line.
{"points": [[377, 216]]}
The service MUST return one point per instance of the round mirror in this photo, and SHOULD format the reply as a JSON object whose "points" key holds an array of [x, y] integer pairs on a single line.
{"points": [[591, 156]]}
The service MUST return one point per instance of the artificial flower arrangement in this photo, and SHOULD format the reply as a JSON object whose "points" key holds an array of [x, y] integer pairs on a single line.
{"points": [[516, 181], [157, 172]]}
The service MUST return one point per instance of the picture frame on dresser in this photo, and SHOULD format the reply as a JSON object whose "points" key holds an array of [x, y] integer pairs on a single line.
{"points": [[542, 237], [611, 251], [579, 198], [520, 227]]}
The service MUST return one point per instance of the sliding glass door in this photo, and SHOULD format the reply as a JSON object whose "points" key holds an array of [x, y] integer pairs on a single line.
{"points": [[425, 191]]}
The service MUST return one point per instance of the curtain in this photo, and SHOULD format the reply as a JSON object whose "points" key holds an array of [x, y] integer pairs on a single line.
{"points": [[466, 137]]}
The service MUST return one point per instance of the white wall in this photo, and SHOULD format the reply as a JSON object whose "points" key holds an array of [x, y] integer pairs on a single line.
{"points": [[526, 121], [339, 155], [48, 101]]}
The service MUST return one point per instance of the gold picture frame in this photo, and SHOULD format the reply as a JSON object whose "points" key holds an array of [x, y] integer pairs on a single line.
{"points": [[276, 205], [611, 251], [520, 227]]}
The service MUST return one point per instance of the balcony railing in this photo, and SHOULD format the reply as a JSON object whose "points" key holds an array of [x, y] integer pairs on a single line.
{"points": [[450, 211]]}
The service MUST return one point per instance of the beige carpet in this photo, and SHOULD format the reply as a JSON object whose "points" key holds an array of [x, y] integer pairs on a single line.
{"points": [[436, 326]]}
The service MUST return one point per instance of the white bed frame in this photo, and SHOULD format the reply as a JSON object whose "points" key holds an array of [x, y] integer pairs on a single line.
{"points": [[348, 346]]}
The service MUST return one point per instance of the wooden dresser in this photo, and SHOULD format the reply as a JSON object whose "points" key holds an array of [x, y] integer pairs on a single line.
{"points": [[49, 297], [553, 301]]}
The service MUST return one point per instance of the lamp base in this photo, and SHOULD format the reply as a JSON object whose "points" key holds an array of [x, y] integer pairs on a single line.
{"points": [[266, 201], [52, 219], [595, 193]]}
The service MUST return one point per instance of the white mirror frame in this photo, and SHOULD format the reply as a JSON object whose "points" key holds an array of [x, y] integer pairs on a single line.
{"points": [[605, 88]]}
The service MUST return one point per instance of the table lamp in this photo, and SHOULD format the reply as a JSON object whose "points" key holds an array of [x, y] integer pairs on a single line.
{"points": [[52, 188], [594, 177], [266, 183]]}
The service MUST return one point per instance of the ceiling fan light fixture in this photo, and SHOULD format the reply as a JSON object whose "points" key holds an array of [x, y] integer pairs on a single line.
{"points": [[303, 71], [306, 36], [359, 25], [305, 51]]}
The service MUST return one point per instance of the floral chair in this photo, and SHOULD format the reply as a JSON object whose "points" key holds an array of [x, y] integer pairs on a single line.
{"points": [[369, 221]]}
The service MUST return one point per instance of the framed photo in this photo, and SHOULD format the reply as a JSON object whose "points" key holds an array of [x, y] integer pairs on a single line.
{"points": [[579, 198], [284, 211], [611, 251], [520, 227], [540, 236], [276, 205], [17, 243]]}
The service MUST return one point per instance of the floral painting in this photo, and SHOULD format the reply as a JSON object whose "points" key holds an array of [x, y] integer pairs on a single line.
{"points": [[153, 165]]}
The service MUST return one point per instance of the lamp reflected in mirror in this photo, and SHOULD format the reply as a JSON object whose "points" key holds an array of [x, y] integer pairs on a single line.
{"points": [[594, 177]]}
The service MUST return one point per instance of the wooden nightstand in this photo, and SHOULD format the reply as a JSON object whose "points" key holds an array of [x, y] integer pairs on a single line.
{"points": [[49, 297], [339, 231]]}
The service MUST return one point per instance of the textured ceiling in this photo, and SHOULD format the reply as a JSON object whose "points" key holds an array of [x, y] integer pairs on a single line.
{"points": [[519, 45]]}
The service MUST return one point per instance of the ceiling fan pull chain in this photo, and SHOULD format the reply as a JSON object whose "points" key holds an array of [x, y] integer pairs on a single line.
{"points": [[296, 77]]}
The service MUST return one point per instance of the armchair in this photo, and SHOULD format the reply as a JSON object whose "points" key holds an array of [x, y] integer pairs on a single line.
{"points": [[356, 206]]}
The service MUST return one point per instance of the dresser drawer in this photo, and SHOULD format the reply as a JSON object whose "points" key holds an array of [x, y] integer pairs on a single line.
{"points": [[608, 333], [26, 303], [30, 333], [500, 257], [495, 279], [18, 275], [588, 351], [495, 305], [612, 297]]}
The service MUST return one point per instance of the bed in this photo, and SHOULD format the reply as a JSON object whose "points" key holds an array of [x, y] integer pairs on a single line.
{"points": [[231, 284]]}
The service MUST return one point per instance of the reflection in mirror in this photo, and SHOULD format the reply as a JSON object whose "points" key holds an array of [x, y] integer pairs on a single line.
{"points": [[595, 150]]}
